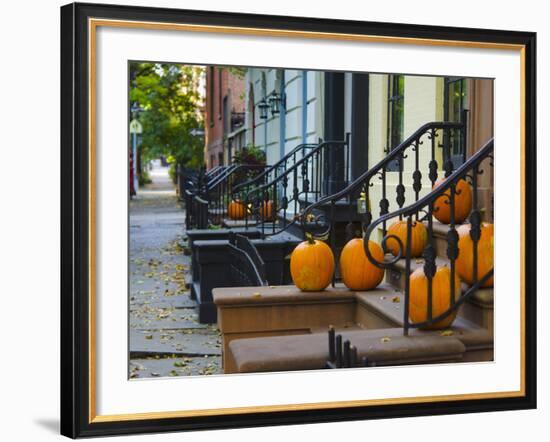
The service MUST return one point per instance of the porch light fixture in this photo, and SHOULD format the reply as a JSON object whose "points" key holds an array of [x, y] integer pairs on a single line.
{"points": [[276, 101], [263, 106]]}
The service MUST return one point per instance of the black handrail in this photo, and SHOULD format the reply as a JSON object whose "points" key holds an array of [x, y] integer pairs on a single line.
{"points": [[396, 156], [214, 193], [281, 164], [307, 176], [211, 182], [447, 189], [247, 267], [393, 156], [215, 170], [219, 191]]}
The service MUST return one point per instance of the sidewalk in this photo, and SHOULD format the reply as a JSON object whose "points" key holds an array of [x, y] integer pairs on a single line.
{"points": [[166, 338]]}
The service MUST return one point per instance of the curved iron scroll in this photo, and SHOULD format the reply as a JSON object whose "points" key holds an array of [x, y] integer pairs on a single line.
{"points": [[358, 192], [423, 211]]}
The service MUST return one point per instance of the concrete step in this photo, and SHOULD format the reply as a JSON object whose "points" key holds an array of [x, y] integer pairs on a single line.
{"points": [[381, 347], [478, 309], [440, 232], [383, 308]]}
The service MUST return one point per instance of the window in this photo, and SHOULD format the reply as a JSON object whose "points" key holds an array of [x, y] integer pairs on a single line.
{"points": [[226, 120], [220, 159], [220, 95], [455, 103], [395, 115], [210, 97]]}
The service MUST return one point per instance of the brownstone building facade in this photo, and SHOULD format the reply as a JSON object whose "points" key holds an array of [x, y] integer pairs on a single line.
{"points": [[225, 115]]}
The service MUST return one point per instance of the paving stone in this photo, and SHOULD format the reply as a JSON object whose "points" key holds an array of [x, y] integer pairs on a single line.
{"points": [[172, 367], [163, 319], [154, 318], [160, 301], [187, 342]]}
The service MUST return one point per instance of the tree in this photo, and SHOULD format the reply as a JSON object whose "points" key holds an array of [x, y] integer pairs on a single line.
{"points": [[172, 107]]}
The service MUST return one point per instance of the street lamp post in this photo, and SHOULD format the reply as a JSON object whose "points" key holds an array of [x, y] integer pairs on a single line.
{"points": [[135, 129]]}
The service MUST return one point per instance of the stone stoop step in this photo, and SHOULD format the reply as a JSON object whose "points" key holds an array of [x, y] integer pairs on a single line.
{"points": [[309, 352], [388, 307], [478, 309], [266, 328]]}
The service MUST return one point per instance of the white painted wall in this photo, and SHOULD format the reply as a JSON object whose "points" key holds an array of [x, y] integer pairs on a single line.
{"points": [[293, 115]]}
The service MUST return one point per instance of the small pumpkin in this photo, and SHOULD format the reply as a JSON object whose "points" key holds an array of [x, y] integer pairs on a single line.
{"points": [[419, 238], [441, 296], [312, 265], [463, 202], [266, 210], [485, 253], [357, 272], [236, 210]]}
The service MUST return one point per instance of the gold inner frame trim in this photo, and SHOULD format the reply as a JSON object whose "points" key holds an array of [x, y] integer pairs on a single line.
{"points": [[92, 28]]}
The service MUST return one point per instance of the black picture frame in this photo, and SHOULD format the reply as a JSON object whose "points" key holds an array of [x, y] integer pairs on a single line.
{"points": [[75, 195]]}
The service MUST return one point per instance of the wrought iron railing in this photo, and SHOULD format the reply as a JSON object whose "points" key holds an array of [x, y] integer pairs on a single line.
{"points": [[271, 172], [275, 205], [342, 354], [356, 197], [215, 171], [219, 191], [247, 268], [423, 210], [213, 190]]}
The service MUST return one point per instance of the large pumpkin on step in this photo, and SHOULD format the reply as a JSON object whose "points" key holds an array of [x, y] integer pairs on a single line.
{"points": [[463, 202], [441, 296], [266, 210], [485, 253], [312, 265], [357, 272], [419, 238], [236, 210]]}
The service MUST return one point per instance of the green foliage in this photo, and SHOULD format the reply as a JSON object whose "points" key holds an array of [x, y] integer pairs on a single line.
{"points": [[170, 99], [172, 172], [237, 71], [144, 178], [249, 155]]}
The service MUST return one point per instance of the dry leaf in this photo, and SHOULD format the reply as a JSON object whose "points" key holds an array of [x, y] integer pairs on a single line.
{"points": [[396, 299], [446, 333], [385, 339]]}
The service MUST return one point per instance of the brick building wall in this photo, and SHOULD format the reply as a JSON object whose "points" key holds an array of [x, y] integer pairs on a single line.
{"points": [[224, 95]]}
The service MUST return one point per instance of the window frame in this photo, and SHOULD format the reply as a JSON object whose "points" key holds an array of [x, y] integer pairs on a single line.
{"points": [[391, 116]]}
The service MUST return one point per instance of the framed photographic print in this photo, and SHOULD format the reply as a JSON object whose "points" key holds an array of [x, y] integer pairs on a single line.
{"points": [[274, 220]]}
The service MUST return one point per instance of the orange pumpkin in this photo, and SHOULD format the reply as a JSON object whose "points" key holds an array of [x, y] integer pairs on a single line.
{"points": [[441, 291], [357, 272], [463, 202], [312, 265], [266, 210], [419, 238], [485, 253], [236, 210]]}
